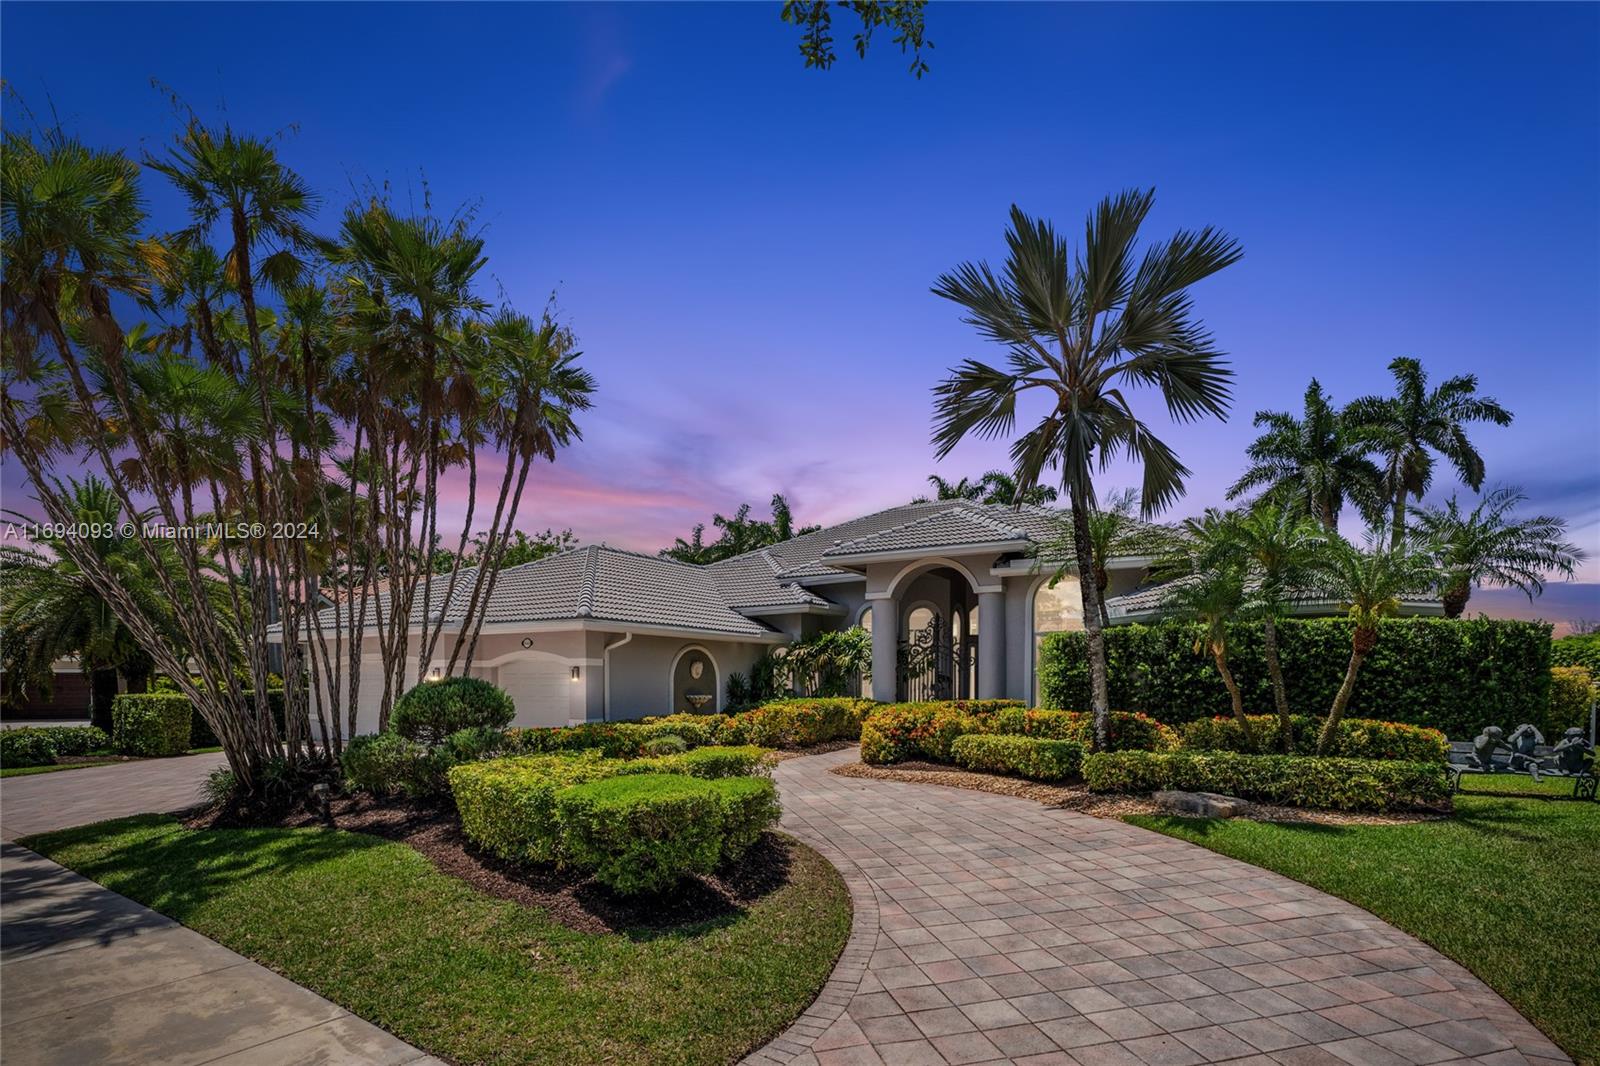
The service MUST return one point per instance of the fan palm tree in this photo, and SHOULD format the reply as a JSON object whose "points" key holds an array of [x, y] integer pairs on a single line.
{"points": [[49, 610], [1317, 461], [1487, 545], [1084, 329], [1408, 427], [1370, 582], [999, 487], [1279, 545]]}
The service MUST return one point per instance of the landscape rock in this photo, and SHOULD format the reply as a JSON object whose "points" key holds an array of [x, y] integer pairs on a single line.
{"points": [[1203, 804]]}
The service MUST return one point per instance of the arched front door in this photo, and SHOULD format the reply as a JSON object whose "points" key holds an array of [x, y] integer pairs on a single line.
{"points": [[694, 683]]}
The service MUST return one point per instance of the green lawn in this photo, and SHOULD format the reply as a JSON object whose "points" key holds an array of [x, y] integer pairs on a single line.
{"points": [[375, 927], [1509, 888]]}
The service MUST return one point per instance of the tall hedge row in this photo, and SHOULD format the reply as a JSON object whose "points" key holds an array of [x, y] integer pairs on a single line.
{"points": [[1454, 675]]}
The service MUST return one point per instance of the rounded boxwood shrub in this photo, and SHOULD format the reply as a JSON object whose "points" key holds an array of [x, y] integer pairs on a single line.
{"points": [[435, 709], [388, 764], [1036, 758], [151, 723], [642, 832]]}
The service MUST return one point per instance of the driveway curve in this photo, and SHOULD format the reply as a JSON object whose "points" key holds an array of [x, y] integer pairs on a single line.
{"points": [[39, 803], [992, 929]]}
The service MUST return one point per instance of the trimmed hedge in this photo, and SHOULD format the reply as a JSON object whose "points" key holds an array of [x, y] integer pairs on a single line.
{"points": [[1288, 780], [1358, 738], [797, 723], [508, 805], [1035, 758], [646, 832], [897, 732], [1454, 675], [434, 710], [151, 723], [1577, 650]]}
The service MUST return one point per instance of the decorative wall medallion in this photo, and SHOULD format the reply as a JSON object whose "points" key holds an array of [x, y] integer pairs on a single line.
{"points": [[696, 668], [527, 642]]}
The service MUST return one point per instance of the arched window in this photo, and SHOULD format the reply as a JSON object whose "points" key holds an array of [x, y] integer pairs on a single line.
{"points": [[1056, 609]]}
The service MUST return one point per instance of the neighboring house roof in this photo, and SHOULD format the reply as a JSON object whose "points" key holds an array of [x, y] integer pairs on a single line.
{"points": [[1152, 600]]}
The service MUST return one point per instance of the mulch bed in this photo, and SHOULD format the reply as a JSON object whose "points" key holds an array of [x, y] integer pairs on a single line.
{"points": [[1078, 798], [567, 896]]}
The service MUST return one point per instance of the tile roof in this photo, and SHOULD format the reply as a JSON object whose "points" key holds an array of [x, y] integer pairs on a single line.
{"points": [[943, 529], [755, 579]]}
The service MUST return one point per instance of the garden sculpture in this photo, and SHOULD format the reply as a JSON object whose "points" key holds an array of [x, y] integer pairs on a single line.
{"points": [[1489, 741], [1524, 742], [1574, 757]]}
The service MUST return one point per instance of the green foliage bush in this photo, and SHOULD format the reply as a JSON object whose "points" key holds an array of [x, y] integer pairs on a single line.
{"points": [[1035, 758], [1577, 650], [614, 740], [749, 808], [1454, 675], [434, 710], [26, 747], [670, 744], [42, 745], [151, 723], [797, 723], [387, 764], [643, 832], [1358, 738], [1287, 780], [1572, 690]]}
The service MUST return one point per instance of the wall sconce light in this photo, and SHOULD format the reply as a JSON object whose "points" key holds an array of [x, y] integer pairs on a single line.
{"points": [[576, 671], [435, 676]]}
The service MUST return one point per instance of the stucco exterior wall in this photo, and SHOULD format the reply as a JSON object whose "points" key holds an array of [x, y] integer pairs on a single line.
{"points": [[641, 671]]}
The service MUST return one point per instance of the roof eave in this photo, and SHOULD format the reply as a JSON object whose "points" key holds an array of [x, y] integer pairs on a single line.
{"points": [[906, 554]]}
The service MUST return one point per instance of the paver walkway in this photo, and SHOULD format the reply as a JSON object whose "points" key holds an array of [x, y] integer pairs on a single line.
{"points": [[990, 928], [92, 978], [38, 803]]}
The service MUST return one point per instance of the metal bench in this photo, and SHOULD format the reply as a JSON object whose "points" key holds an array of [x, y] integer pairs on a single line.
{"points": [[1525, 753]]}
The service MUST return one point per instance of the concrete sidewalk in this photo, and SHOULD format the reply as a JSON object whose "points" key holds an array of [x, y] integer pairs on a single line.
{"points": [[91, 977]]}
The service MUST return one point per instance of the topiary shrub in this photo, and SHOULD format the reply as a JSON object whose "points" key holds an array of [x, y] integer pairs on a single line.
{"points": [[435, 709], [1358, 738], [642, 832], [507, 806], [150, 723], [749, 808], [1288, 780], [713, 762], [26, 747], [1035, 758]]}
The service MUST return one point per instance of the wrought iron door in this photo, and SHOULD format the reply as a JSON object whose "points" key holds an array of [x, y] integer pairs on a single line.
{"points": [[926, 664]]}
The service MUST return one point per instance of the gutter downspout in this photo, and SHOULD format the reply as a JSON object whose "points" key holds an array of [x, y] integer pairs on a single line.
{"points": [[605, 660]]}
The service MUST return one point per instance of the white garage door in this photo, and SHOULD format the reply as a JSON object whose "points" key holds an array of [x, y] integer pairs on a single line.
{"points": [[540, 688]]}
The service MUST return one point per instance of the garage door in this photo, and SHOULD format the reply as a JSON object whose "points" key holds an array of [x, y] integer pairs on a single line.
{"points": [[541, 689]]}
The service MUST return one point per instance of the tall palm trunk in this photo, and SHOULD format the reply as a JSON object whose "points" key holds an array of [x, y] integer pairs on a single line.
{"points": [[1280, 698], [1360, 646], [1099, 697], [1101, 580], [1455, 598], [1397, 530], [1235, 697]]}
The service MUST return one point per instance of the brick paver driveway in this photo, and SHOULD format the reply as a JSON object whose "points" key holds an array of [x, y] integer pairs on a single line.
{"points": [[991, 929], [41, 802]]}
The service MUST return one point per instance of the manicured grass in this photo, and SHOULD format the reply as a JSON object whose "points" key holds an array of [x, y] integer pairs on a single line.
{"points": [[28, 771], [1509, 887], [375, 927]]}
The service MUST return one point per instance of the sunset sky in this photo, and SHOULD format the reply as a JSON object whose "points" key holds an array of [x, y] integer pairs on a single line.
{"points": [[745, 247]]}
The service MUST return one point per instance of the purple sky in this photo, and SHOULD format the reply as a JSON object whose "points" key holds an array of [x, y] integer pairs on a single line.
{"points": [[745, 247]]}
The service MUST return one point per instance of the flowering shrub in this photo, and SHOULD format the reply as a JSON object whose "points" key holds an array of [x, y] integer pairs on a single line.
{"points": [[798, 723], [901, 731]]}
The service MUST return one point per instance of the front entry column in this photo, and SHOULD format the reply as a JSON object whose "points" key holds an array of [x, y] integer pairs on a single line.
{"points": [[991, 645], [885, 643]]}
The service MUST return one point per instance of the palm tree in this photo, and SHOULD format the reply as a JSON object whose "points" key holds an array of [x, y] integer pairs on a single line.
{"points": [[1489, 546], [1112, 527], [999, 487], [1085, 329], [1215, 597], [965, 489], [1317, 461], [1370, 583], [1414, 423], [1279, 545], [50, 610]]}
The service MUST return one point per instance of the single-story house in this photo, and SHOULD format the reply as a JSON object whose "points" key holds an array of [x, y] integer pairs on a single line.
{"points": [[597, 633]]}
